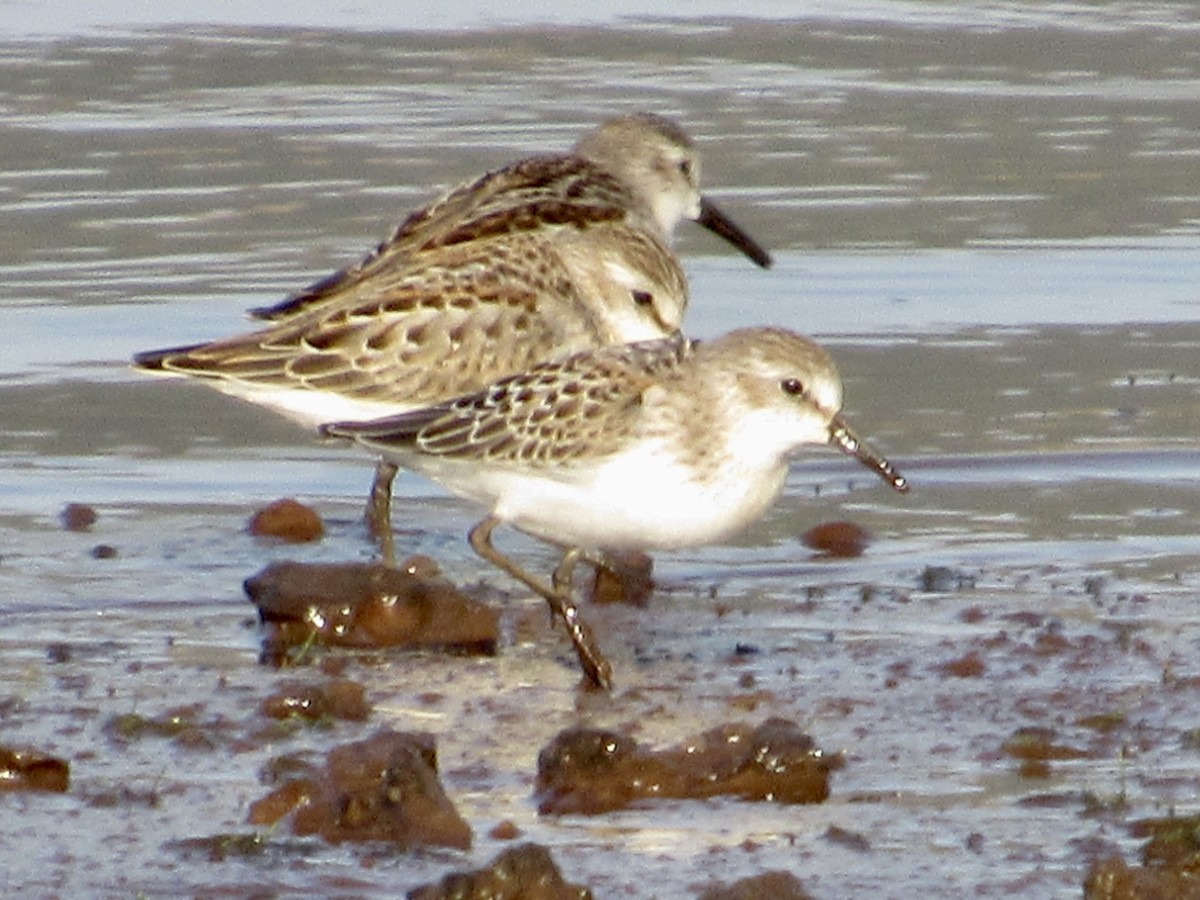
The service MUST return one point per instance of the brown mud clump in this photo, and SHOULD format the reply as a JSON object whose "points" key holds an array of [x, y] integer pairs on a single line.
{"points": [[1034, 748], [1113, 879], [767, 886], [590, 771], [969, 665], [626, 577], [840, 540], [78, 517], [22, 769], [1170, 864], [385, 788], [185, 726], [526, 872], [366, 606], [339, 698], [287, 520], [1174, 841]]}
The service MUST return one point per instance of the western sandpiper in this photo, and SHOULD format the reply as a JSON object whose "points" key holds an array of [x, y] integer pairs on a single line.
{"points": [[649, 446], [546, 256], [639, 171]]}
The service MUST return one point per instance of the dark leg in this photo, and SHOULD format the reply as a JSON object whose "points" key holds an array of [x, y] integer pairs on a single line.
{"points": [[596, 669], [379, 509], [564, 574]]}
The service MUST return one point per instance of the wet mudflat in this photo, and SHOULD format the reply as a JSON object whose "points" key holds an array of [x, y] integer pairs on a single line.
{"points": [[989, 218]]}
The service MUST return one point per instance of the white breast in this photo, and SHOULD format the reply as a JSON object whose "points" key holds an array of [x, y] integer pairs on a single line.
{"points": [[639, 500]]}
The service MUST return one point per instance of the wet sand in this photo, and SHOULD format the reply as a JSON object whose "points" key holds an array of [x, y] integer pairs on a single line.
{"points": [[989, 218]]}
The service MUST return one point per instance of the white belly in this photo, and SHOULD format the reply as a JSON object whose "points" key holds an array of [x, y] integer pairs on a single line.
{"points": [[641, 500], [308, 407]]}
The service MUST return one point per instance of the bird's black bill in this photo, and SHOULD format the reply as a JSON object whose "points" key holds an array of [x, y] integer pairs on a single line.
{"points": [[848, 442], [721, 225]]}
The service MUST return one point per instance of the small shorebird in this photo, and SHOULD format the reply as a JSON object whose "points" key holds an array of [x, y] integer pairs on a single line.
{"points": [[639, 171], [648, 446], [549, 255]]}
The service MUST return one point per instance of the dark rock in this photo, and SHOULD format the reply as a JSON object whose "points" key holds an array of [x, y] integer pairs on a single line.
{"points": [[590, 771], [624, 578], [287, 520], [837, 539], [944, 580], [1113, 879], [526, 872], [338, 698], [367, 605], [385, 788], [767, 886], [78, 517], [31, 770]]}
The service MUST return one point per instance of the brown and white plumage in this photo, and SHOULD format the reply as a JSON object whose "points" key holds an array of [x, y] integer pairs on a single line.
{"points": [[548, 255], [647, 446], [639, 172], [545, 256], [463, 317]]}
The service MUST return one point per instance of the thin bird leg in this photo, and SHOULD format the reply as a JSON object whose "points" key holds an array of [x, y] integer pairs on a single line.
{"points": [[564, 575], [481, 542], [596, 560], [379, 509], [596, 669], [600, 561]]}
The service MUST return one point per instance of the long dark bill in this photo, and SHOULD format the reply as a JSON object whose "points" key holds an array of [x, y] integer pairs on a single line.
{"points": [[842, 437], [721, 225]]}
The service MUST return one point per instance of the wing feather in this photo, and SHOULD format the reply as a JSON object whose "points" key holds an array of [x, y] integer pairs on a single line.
{"points": [[580, 407], [551, 191], [457, 319]]}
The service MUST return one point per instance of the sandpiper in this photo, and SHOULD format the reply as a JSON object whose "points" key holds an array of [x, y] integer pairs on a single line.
{"points": [[657, 445], [639, 171], [549, 255]]}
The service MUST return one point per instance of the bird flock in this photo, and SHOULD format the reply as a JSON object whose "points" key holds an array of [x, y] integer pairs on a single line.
{"points": [[522, 341]]}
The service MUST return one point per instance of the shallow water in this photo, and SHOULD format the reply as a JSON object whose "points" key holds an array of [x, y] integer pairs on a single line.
{"points": [[989, 214]]}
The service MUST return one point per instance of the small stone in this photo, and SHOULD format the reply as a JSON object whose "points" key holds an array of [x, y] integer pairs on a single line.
{"points": [[944, 580], [506, 830], [384, 788], [525, 872], [78, 517], [776, 885], [837, 539], [338, 698], [626, 577], [287, 520], [30, 770]]}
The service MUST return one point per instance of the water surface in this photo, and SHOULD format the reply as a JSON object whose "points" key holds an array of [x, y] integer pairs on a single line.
{"points": [[989, 214]]}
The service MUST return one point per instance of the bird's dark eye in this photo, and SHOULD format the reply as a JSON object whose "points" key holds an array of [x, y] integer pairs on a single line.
{"points": [[643, 298], [685, 168], [792, 386]]}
